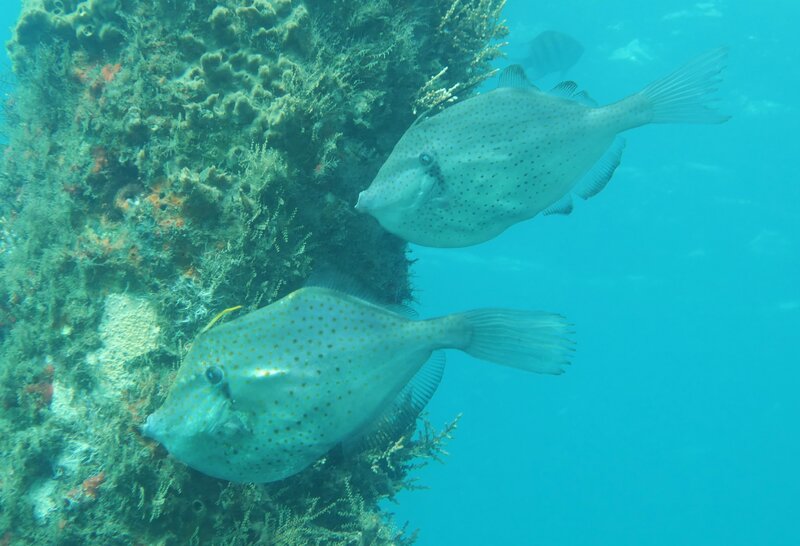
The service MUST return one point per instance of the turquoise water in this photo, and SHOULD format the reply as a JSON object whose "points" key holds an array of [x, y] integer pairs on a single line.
{"points": [[676, 423]]}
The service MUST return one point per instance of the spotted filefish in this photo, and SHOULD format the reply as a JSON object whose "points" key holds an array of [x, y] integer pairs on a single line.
{"points": [[466, 174], [263, 396]]}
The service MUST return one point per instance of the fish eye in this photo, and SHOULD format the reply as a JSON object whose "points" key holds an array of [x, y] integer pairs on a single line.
{"points": [[214, 375], [425, 159]]}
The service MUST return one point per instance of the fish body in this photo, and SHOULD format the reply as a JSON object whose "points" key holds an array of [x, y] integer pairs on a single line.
{"points": [[466, 174], [263, 396]]}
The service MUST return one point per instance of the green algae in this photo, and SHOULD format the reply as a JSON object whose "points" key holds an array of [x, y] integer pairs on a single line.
{"points": [[166, 160]]}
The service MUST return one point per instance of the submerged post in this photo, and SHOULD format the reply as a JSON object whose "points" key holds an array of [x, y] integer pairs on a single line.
{"points": [[165, 161]]}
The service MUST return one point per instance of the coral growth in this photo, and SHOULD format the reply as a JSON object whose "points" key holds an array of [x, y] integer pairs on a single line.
{"points": [[166, 160]]}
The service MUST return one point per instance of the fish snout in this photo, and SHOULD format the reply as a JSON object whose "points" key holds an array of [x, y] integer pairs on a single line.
{"points": [[151, 427], [376, 202]]}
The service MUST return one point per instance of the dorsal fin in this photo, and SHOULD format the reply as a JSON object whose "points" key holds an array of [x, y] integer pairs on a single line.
{"points": [[601, 172], [584, 98], [401, 415], [566, 89], [423, 116], [569, 90], [325, 278], [514, 76]]}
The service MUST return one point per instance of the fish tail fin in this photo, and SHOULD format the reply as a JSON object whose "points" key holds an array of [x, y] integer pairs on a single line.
{"points": [[534, 341], [685, 96]]}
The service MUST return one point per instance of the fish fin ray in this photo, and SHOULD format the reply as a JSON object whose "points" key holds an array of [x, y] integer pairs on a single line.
{"points": [[569, 90], [566, 89], [401, 309], [423, 385], [601, 172], [401, 416], [423, 116], [584, 98], [514, 76], [562, 206], [535, 341], [685, 96]]}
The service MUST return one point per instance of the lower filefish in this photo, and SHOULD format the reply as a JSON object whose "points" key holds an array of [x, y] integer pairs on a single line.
{"points": [[262, 397]]}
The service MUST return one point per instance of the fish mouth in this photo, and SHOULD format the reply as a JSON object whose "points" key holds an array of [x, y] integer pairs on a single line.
{"points": [[369, 203], [150, 427]]}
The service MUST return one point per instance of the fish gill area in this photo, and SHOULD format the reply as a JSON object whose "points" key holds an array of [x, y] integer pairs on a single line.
{"points": [[164, 160]]}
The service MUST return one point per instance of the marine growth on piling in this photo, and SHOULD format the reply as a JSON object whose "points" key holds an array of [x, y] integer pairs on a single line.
{"points": [[167, 160]]}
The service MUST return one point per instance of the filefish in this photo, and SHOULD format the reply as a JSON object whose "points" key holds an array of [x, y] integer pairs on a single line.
{"points": [[551, 51], [262, 397], [464, 175]]}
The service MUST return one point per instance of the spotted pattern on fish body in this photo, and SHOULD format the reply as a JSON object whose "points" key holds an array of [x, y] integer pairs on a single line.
{"points": [[262, 397], [466, 174]]}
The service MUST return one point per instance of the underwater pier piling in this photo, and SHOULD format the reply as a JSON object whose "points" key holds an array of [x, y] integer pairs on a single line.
{"points": [[167, 160]]}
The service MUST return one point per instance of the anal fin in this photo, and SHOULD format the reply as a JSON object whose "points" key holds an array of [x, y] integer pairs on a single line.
{"points": [[562, 206], [402, 414], [598, 176]]}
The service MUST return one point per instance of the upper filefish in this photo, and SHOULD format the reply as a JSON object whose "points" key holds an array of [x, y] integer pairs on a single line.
{"points": [[262, 397], [466, 174]]}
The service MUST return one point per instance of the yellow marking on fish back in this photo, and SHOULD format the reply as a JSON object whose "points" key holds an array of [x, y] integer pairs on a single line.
{"points": [[219, 316]]}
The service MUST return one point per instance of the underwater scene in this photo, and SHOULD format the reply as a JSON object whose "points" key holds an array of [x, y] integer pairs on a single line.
{"points": [[432, 272]]}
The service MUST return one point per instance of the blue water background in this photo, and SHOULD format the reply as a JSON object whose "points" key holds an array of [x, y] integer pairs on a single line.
{"points": [[678, 422]]}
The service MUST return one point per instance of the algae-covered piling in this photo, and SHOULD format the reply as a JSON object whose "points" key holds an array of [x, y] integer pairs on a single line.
{"points": [[166, 160]]}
